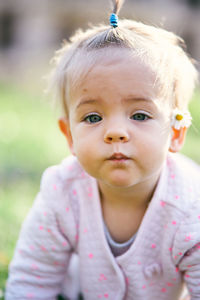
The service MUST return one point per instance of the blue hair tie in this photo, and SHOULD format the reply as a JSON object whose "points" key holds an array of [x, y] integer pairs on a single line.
{"points": [[114, 20]]}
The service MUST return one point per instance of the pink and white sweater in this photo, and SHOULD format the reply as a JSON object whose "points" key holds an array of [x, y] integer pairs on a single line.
{"points": [[66, 218]]}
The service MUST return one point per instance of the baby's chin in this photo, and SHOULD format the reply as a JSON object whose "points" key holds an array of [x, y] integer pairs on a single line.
{"points": [[119, 182]]}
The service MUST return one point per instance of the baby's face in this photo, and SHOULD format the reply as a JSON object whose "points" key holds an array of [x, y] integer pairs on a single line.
{"points": [[120, 127]]}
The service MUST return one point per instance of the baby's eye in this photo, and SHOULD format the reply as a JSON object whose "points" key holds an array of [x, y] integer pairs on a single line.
{"points": [[140, 117], [93, 118]]}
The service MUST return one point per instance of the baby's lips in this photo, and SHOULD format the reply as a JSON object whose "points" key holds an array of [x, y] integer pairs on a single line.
{"points": [[118, 156]]}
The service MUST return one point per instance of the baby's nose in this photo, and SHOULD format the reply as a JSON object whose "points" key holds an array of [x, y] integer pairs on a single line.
{"points": [[116, 135]]}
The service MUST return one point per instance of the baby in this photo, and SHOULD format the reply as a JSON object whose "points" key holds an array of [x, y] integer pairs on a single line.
{"points": [[125, 205]]}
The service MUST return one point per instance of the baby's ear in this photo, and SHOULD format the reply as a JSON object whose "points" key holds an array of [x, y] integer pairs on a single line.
{"points": [[177, 139], [64, 126]]}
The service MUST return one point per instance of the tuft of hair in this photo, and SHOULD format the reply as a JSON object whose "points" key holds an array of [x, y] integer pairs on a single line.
{"points": [[117, 4], [163, 51]]}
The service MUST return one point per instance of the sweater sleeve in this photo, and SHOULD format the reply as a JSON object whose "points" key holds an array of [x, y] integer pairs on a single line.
{"points": [[186, 252], [43, 250]]}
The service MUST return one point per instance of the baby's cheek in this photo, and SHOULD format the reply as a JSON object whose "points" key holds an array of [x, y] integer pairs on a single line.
{"points": [[154, 152], [84, 154]]}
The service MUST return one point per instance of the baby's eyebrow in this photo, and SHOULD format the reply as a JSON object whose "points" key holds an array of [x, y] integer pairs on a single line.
{"points": [[124, 100], [85, 102], [141, 100], [137, 98]]}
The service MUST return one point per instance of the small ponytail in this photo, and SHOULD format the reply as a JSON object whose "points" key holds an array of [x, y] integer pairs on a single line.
{"points": [[117, 4]]}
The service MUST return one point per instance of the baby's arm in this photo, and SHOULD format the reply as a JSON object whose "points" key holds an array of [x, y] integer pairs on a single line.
{"points": [[190, 266], [186, 252], [43, 250]]}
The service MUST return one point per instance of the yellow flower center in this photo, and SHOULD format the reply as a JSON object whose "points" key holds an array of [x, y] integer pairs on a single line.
{"points": [[179, 117]]}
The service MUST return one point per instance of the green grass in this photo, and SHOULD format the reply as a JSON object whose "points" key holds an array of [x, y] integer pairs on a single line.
{"points": [[30, 141]]}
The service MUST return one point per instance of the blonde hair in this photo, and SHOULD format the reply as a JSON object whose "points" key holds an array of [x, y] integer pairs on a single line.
{"points": [[163, 51]]}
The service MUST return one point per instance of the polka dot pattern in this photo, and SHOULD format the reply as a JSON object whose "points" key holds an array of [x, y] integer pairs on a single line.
{"points": [[66, 217]]}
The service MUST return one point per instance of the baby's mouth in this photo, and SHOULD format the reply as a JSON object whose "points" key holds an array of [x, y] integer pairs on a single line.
{"points": [[118, 157]]}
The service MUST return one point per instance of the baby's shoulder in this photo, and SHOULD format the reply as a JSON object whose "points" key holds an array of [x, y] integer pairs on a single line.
{"points": [[183, 186], [186, 171], [65, 175], [187, 164]]}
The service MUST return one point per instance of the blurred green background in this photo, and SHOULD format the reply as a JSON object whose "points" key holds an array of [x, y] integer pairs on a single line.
{"points": [[30, 141]]}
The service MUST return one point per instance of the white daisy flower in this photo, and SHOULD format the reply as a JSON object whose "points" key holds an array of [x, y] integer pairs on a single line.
{"points": [[181, 119]]}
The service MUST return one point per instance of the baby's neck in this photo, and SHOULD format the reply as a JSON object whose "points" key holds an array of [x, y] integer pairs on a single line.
{"points": [[135, 197], [123, 209]]}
